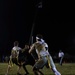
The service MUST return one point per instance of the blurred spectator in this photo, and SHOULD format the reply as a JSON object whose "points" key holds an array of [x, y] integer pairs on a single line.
{"points": [[61, 55], [6, 59]]}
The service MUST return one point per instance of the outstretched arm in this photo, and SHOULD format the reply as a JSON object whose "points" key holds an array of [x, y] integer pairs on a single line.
{"points": [[31, 48]]}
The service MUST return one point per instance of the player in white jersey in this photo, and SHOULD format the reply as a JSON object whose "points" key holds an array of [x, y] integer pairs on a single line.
{"points": [[43, 56], [14, 57], [61, 55], [15, 50]]}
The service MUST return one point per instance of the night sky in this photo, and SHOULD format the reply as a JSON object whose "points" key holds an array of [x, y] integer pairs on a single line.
{"points": [[55, 21]]}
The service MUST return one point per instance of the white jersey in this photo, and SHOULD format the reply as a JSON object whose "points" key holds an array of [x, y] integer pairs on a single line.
{"points": [[16, 49], [43, 52], [61, 54]]}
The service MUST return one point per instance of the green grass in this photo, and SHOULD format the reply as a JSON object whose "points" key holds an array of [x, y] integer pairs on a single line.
{"points": [[65, 69]]}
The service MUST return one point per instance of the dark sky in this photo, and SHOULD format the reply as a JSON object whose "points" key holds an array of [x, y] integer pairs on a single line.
{"points": [[55, 21]]}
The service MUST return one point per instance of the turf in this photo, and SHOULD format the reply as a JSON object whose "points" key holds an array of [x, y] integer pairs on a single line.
{"points": [[65, 69]]}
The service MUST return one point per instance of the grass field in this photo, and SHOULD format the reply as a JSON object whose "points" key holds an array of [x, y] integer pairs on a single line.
{"points": [[65, 69]]}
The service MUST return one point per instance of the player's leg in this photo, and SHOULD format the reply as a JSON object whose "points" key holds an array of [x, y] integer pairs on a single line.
{"points": [[25, 69], [61, 61], [19, 70], [37, 71], [39, 65], [10, 64], [8, 69], [52, 66]]}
